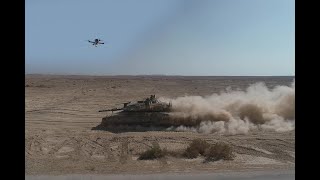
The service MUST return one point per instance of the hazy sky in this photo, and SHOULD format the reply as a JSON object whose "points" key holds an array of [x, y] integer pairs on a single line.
{"points": [[170, 37]]}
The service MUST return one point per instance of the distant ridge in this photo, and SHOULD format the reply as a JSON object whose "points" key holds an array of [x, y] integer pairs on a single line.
{"points": [[157, 75]]}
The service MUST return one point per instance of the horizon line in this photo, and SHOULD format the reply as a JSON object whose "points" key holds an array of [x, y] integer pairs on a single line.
{"points": [[51, 74]]}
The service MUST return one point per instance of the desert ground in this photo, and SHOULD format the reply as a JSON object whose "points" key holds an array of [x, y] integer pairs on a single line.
{"points": [[60, 112]]}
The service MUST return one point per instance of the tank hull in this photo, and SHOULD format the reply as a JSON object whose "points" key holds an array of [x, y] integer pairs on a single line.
{"points": [[136, 120], [144, 121]]}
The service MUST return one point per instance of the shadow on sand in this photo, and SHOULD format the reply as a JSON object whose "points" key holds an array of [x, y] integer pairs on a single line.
{"points": [[127, 128]]}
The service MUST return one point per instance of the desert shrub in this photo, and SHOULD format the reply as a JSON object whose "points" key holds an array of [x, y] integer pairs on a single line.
{"points": [[191, 153], [154, 153], [219, 151], [195, 148]]}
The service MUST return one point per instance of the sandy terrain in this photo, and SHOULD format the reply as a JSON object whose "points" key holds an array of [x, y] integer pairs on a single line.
{"points": [[61, 111], [245, 175]]}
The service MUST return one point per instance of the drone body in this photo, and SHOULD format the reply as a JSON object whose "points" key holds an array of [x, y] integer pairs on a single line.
{"points": [[96, 42]]}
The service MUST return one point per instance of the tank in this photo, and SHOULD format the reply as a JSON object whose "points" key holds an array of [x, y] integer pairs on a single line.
{"points": [[148, 114]]}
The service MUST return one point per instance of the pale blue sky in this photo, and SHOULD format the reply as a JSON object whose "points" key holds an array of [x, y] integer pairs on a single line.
{"points": [[170, 37]]}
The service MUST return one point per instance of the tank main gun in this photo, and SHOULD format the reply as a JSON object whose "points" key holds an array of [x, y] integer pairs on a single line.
{"points": [[116, 109]]}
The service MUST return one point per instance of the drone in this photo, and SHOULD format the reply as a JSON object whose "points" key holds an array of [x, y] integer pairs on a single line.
{"points": [[96, 42]]}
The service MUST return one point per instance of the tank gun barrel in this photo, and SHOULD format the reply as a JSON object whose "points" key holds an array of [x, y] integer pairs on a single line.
{"points": [[114, 109]]}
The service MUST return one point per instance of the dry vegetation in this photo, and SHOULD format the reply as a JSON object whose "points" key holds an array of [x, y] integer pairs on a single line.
{"points": [[154, 153], [196, 147], [212, 152], [219, 151]]}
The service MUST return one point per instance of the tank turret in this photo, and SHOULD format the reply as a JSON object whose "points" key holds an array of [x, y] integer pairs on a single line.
{"points": [[148, 105]]}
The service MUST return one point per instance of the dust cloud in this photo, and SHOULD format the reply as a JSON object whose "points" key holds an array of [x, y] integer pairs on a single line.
{"points": [[235, 111]]}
